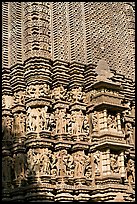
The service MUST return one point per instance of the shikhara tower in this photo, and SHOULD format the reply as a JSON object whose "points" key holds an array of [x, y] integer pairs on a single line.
{"points": [[68, 119]]}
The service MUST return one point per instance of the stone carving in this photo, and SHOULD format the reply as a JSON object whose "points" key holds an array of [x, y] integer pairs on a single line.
{"points": [[129, 132], [7, 101], [94, 121], [37, 119], [77, 120], [130, 171], [32, 119], [61, 162], [19, 124], [79, 163], [45, 161], [86, 124], [19, 98], [19, 166], [51, 123], [96, 156], [59, 93], [70, 166], [44, 90], [89, 166], [36, 91], [112, 122], [70, 43], [76, 95], [6, 127], [53, 164], [39, 161], [60, 117], [7, 171], [114, 163], [43, 118]]}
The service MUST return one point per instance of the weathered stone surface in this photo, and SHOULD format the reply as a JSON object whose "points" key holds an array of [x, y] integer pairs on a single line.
{"points": [[68, 101]]}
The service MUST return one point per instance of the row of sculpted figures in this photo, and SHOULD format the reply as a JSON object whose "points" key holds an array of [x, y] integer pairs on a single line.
{"points": [[62, 163]]}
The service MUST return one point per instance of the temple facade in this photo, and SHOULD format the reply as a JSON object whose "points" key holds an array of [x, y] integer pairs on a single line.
{"points": [[68, 101]]}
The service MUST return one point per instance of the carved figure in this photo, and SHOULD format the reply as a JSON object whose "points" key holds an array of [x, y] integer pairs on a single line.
{"points": [[44, 89], [88, 168], [6, 127], [61, 162], [43, 123], [111, 122], [114, 163], [45, 161], [94, 121], [33, 119], [80, 121], [130, 171], [53, 164], [60, 117], [19, 98], [86, 124], [76, 94], [74, 122], [59, 93], [79, 163], [19, 166], [97, 161], [70, 165], [128, 132]]}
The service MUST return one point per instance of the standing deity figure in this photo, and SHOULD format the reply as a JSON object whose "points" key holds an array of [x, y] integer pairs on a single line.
{"points": [[129, 132], [22, 123], [74, 122], [45, 161], [61, 162], [30, 155], [43, 123], [114, 163], [80, 122], [33, 119], [60, 117], [130, 171], [33, 160], [79, 163]]}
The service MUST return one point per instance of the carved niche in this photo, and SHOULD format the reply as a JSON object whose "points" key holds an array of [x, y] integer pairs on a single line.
{"points": [[39, 161]]}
